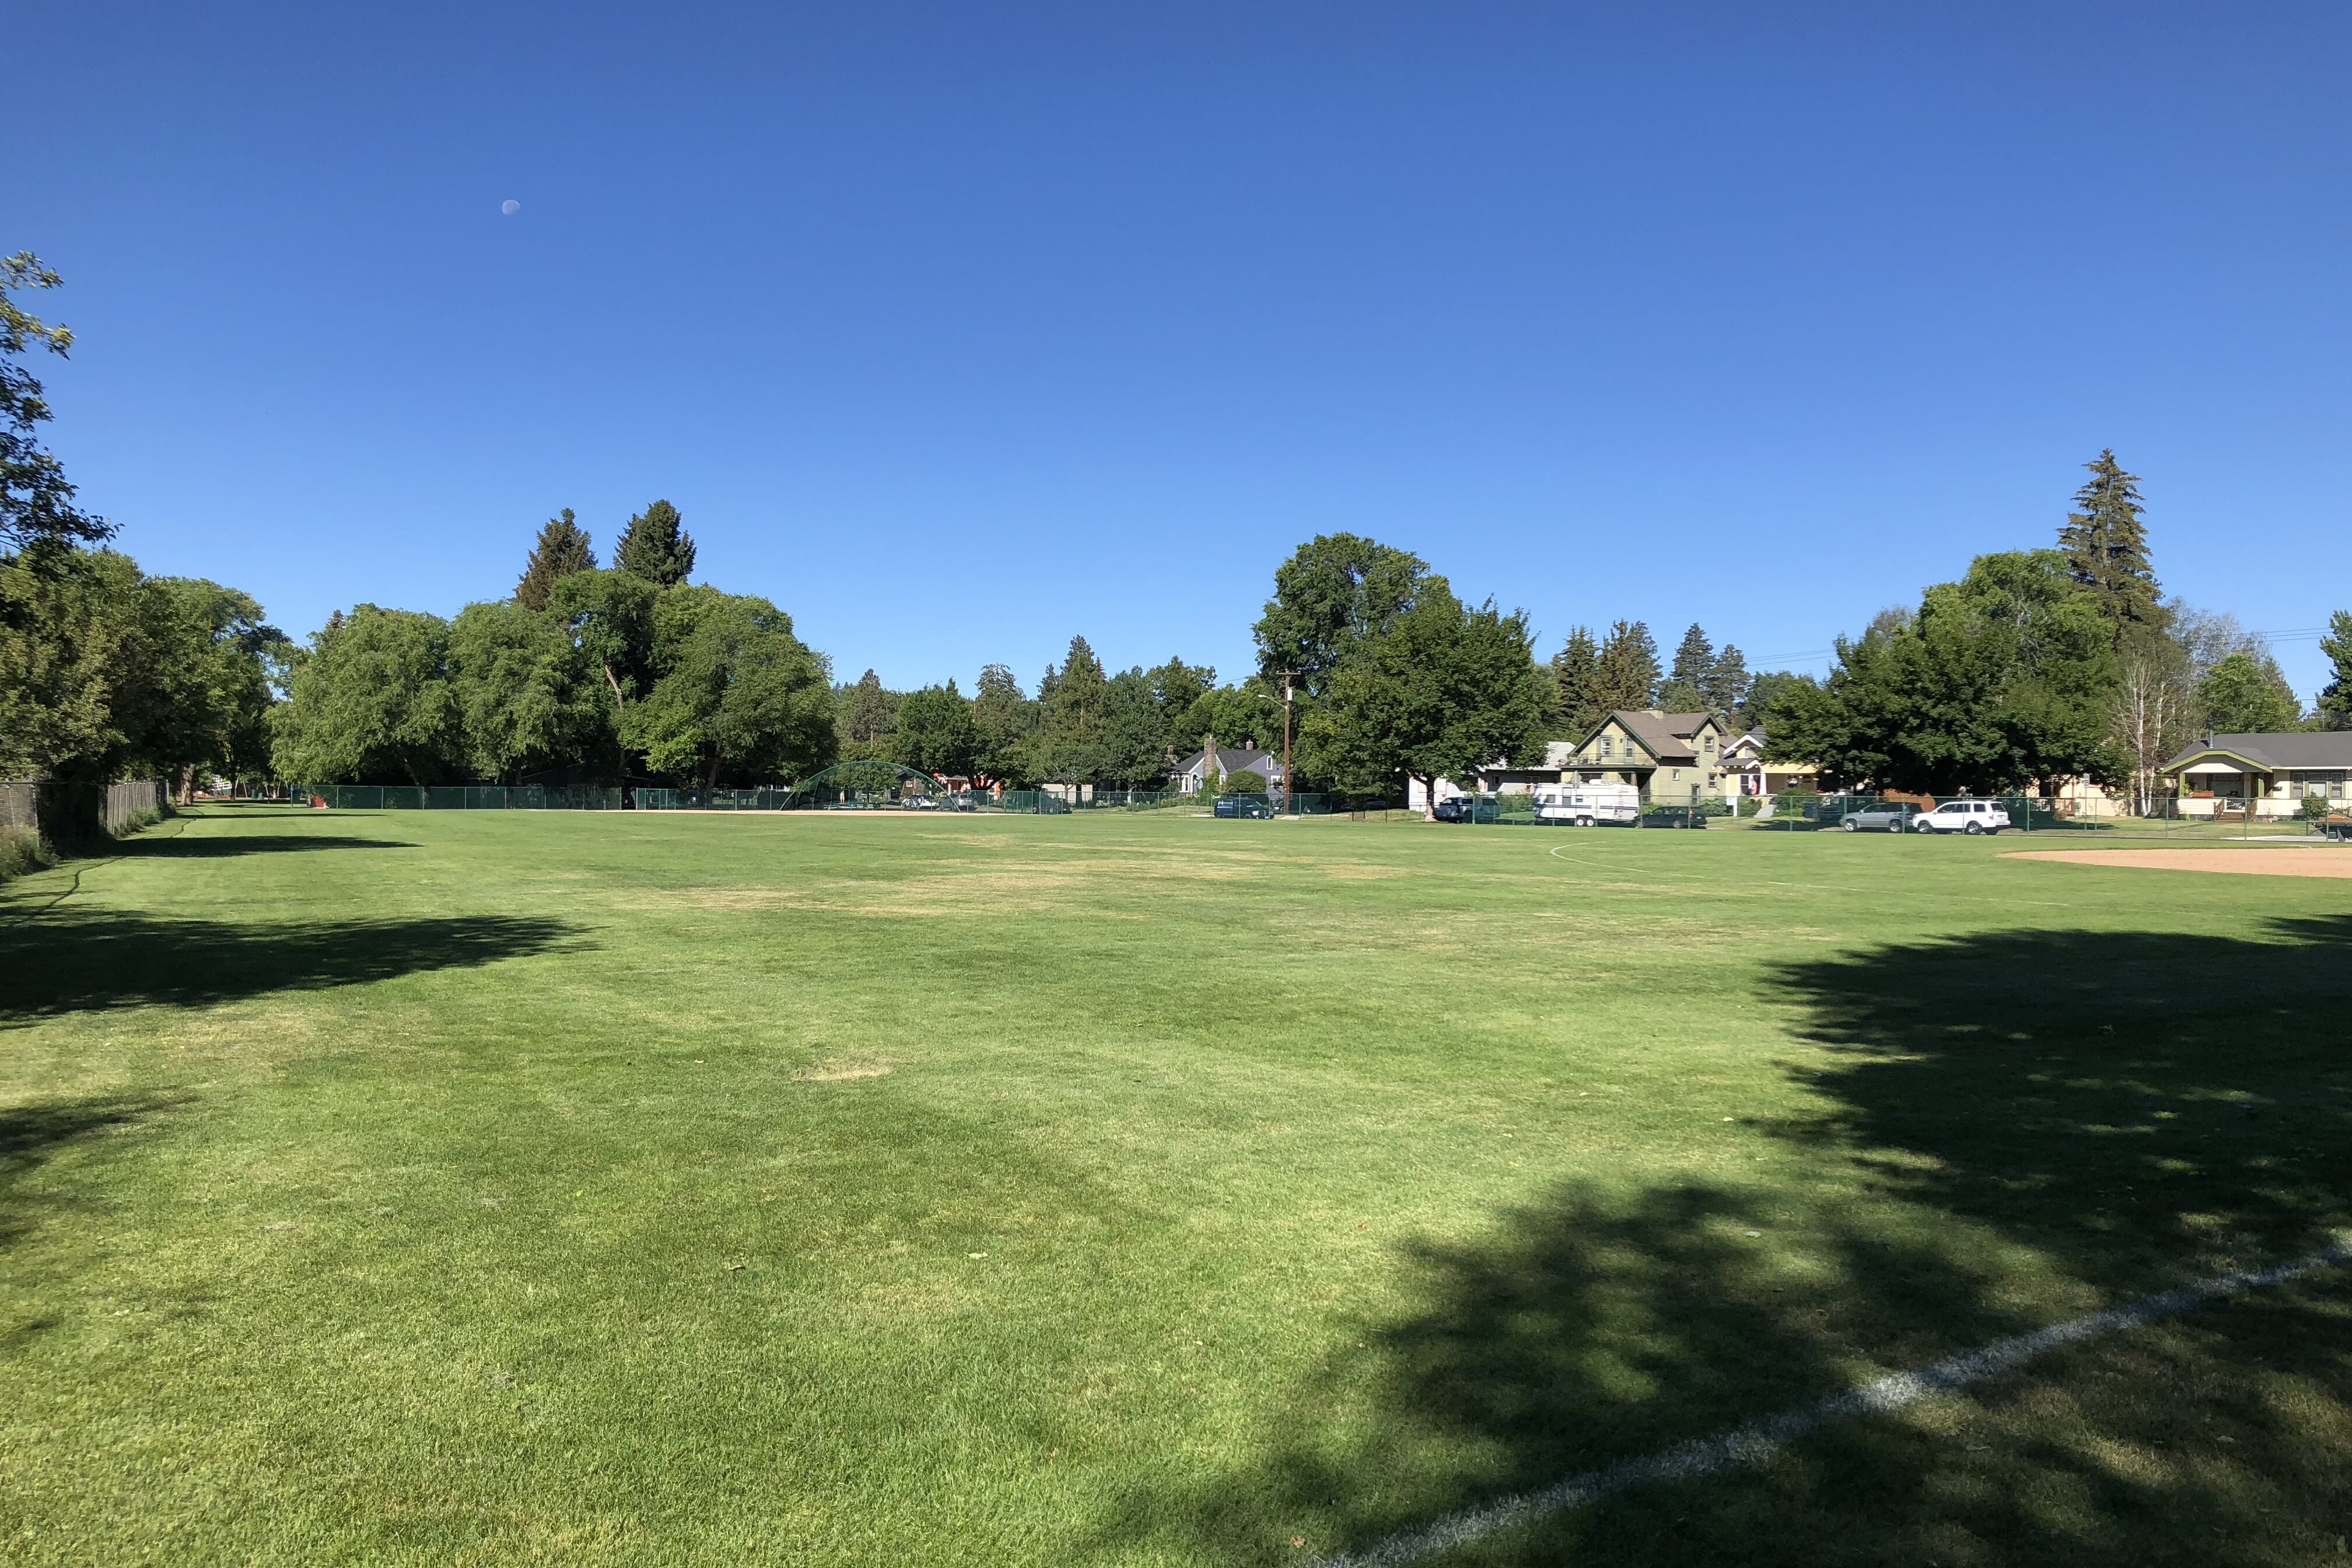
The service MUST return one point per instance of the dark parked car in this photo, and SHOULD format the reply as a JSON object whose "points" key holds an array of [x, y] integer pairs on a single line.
{"points": [[1458, 809], [1245, 805], [1673, 816]]}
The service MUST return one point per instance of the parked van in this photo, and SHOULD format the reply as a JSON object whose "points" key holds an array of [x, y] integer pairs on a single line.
{"points": [[1589, 804]]}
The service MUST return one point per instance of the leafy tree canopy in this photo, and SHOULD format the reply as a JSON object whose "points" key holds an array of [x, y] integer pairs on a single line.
{"points": [[1441, 692], [531, 699], [736, 697], [936, 732], [2246, 694], [371, 702], [37, 503], [2003, 678], [1335, 591]]}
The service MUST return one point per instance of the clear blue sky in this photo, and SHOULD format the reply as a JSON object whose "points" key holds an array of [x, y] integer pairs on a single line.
{"points": [[958, 329]]}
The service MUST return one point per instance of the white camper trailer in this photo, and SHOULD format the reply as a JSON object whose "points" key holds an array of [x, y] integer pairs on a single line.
{"points": [[1589, 804]]}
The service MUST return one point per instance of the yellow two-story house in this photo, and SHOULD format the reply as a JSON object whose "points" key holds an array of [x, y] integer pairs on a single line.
{"points": [[1673, 758]]}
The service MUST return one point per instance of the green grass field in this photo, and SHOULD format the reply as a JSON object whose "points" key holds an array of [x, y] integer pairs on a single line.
{"points": [[507, 1187]]}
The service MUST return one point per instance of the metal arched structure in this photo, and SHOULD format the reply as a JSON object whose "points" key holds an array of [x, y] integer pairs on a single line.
{"points": [[862, 786]]}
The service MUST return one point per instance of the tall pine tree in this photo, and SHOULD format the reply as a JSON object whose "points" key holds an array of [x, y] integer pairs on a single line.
{"points": [[1725, 687], [1628, 667], [1685, 689], [2105, 545], [2335, 698], [656, 547], [1576, 705], [562, 549]]}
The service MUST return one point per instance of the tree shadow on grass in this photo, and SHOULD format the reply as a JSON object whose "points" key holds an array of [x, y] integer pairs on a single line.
{"points": [[2011, 1129], [32, 1135], [179, 846], [65, 961]]}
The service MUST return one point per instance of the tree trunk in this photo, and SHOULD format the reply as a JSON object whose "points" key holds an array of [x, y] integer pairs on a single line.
{"points": [[618, 700]]}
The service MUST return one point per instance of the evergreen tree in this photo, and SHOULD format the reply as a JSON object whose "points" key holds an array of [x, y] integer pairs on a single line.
{"points": [[1693, 661], [1726, 688], [1628, 667], [866, 716], [1004, 715], [656, 547], [1576, 705], [2105, 545], [2335, 698], [562, 549]]}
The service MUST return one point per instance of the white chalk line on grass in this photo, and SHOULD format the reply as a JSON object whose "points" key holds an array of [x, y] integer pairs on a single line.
{"points": [[1759, 1440], [1810, 887]]}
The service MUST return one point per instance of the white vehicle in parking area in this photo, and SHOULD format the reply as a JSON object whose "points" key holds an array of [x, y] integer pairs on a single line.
{"points": [[1962, 816], [1589, 804]]}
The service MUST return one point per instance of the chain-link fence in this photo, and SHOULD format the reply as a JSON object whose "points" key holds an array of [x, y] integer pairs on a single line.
{"points": [[1051, 802], [460, 797]]}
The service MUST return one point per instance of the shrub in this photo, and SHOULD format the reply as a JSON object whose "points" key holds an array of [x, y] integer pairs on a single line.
{"points": [[21, 851], [1244, 782]]}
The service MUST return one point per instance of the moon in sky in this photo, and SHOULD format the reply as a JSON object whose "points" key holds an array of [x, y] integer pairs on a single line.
{"points": [[509, 206]]}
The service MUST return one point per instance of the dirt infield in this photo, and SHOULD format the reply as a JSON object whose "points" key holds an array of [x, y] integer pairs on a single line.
{"points": [[2297, 861]]}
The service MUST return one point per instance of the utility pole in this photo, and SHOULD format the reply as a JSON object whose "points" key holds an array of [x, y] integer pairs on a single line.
{"points": [[1289, 790]]}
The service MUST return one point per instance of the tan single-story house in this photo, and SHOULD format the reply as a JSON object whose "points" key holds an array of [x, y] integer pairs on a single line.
{"points": [[1751, 775], [2271, 773]]}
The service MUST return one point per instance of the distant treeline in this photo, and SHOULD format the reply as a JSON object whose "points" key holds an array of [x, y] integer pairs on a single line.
{"points": [[2034, 666]]}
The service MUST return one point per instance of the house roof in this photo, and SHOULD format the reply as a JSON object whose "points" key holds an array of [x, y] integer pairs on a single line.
{"points": [[1665, 736], [1234, 760], [2275, 753]]}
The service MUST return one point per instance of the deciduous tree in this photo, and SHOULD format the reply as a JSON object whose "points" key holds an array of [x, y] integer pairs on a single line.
{"points": [[371, 702], [936, 734], [531, 699], [1335, 591], [2246, 693], [36, 501], [1442, 693], [736, 697]]}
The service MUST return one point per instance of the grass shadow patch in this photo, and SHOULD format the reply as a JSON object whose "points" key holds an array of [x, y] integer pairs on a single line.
{"points": [[33, 1134], [180, 846], [77, 961], [2014, 1128]]}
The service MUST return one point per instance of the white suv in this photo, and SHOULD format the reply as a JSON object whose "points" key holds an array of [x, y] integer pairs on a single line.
{"points": [[1962, 816]]}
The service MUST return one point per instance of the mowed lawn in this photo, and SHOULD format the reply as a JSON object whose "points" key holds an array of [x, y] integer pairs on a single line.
{"points": [[510, 1187]]}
